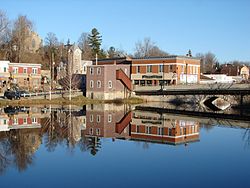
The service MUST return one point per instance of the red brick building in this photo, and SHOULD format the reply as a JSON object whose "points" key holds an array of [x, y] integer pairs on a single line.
{"points": [[26, 75], [108, 82], [155, 71], [167, 128]]}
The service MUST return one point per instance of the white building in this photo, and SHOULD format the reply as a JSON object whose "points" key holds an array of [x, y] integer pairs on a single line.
{"points": [[217, 78], [4, 71]]}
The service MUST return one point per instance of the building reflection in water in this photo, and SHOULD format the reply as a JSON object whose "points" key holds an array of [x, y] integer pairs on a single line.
{"points": [[163, 128], [24, 129]]}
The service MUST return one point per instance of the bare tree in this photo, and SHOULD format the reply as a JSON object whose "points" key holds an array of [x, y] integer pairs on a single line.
{"points": [[4, 28], [208, 62], [21, 31], [83, 43], [51, 40], [147, 48]]}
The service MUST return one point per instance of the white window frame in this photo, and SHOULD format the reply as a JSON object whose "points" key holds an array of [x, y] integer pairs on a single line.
{"points": [[91, 83], [110, 84], [161, 67], [26, 70], [91, 118], [99, 84], [148, 130], [91, 70], [149, 68], [25, 121], [15, 70], [138, 69], [110, 118], [98, 132], [160, 130], [15, 121], [91, 131], [98, 118], [34, 70], [98, 70], [34, 120]]}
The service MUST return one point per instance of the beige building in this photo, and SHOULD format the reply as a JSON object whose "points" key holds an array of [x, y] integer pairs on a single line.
{"points": [[244, 72], [75, 58], [33, 42]]}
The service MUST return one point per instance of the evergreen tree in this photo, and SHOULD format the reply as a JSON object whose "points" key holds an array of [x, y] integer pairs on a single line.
{"points": [[95, 40]]}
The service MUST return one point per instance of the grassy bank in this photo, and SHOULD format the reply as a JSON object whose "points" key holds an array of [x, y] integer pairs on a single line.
{"points": [[79, 100]]}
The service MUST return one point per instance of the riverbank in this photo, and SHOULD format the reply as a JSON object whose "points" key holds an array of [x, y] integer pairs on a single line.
{"points": [[79, 101]]}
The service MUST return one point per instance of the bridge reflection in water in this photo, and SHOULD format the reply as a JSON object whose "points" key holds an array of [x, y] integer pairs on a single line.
{"points": [[24, 129]]}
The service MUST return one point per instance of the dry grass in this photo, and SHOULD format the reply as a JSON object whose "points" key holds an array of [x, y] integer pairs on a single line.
{"points": [[79, 100]]}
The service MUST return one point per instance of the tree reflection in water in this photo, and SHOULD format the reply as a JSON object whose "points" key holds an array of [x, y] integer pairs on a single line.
{"points": [[67, 127]]}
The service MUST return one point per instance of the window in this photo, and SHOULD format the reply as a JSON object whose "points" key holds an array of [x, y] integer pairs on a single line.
{"points": [[149, 82], [15, 121], [15, 70], [91, 131], [160, 68], [181, 131], [99, 85], [25, 70], [34, 120], [4, 69], [110, 84], [98, 70], [91, 71], [91, 118], [4, 121], [149, 68], [98, 132], [136, 82], [91, 84], [171, 67], [138, 70], [148, 130], [169, 132], [110, 118], [34, 70], [160, 131], [138, 128], [24, 120], [98, 118]]}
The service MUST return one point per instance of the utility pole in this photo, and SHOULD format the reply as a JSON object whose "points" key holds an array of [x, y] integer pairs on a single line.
{"points": [[96, 59], [186, 73]]}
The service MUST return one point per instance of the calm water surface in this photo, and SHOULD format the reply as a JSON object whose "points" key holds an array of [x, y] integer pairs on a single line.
{"points": [[116, 146]]}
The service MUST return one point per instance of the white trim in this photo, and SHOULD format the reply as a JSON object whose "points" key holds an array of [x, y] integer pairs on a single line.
{"points": [[166, 136], [166, 64], [25, 65]]}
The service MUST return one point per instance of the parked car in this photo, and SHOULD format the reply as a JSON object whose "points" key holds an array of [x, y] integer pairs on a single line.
{"points": [[12, 94]]}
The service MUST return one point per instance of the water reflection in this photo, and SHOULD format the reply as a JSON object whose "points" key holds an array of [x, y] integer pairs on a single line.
{"points": [[24, 129]]}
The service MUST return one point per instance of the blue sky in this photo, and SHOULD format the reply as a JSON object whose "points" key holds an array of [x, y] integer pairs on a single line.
{"points": [[218, 26]]}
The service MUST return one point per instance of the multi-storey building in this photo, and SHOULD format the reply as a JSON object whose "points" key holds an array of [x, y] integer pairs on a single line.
{"points": [[26, 75], [4, 73], [157, 71], [108, 121], [165, 128], [108, 81], [33, 42]]}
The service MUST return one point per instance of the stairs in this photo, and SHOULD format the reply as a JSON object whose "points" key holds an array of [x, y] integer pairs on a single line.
{"points": [[123, 123], [120, 75]]}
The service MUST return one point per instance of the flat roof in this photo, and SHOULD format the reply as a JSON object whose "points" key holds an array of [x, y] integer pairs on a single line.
{"points": [[148, 58]]}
